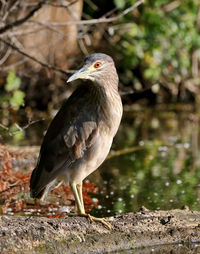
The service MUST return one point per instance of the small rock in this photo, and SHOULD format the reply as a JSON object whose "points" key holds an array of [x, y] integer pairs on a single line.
{"points": [[186, 208], [143, 209]]}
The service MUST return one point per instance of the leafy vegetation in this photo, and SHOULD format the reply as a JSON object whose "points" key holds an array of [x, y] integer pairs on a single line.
{"points": [[14, 97], [11, 100], [161, 42]]}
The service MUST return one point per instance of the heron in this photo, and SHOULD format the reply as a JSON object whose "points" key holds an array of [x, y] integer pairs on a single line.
{"points": [[80, 136]]}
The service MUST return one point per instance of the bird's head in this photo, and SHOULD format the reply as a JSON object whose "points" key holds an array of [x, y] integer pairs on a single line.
{"points": [[97, 67]]}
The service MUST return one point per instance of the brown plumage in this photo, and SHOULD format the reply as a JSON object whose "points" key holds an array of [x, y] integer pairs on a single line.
{"points": [[80, 136]]}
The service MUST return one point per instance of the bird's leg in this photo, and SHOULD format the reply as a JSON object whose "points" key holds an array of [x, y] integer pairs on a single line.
{"points": [[78, 194], [80, 207]]}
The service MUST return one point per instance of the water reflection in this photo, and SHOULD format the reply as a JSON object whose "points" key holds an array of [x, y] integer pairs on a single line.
{"points": [[165, 249], [162, 173]]}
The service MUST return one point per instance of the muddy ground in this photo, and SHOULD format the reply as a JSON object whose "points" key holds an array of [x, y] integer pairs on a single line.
{"points": [[20, 234], [164, 231]]}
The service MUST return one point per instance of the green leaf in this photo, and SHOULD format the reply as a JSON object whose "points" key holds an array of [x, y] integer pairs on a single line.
{"points": [[18, 136], [12, 81], [17, 99], [119, 3]]}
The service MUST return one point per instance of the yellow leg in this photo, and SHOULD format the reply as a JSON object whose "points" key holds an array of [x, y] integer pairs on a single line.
{"points": [[78, 195], [80, 208]]}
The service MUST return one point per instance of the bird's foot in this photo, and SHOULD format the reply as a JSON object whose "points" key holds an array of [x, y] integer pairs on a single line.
{"points": [[92, 219]]}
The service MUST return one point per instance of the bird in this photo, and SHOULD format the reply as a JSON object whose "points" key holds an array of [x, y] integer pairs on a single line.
{"points": [[80, 136]]}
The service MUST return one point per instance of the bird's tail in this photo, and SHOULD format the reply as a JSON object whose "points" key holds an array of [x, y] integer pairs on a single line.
{"points": [[35, 191]]}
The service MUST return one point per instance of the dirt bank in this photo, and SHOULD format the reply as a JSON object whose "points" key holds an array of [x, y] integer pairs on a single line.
{"points": [[20, 234]]}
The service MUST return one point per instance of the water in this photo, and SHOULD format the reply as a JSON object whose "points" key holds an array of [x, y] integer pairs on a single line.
{"points": [[164, 170], [157, 165], [164, 249]]}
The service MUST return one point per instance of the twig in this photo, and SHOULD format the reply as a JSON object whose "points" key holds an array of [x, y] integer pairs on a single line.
{"points": [[44, 25], [49, 66], [22, 20], [171, 6], [28, 124], [124, 151], [107, 14], [82, 47], [4, 58], [4, 127], [12, 65], [20, 32], [11, 9], [94, 21], [92, 5], [19, 128], [76, 22], [62, 5]]}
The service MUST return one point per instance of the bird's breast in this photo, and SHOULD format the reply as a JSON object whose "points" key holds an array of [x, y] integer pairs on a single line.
{"points": [[108, 114], [98, 152], [113, 114]]}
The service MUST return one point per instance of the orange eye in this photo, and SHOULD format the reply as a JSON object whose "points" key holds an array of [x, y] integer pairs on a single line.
{"points": [[97, 65]]}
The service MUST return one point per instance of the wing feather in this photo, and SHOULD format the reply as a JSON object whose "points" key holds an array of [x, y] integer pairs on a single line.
{"points": [[71, 133]]}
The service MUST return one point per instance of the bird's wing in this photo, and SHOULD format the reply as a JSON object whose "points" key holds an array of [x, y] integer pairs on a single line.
{"points": [[71, 133]]}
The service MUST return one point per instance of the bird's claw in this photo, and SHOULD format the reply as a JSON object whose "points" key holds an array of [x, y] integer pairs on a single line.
{"points": [[92, 219]]}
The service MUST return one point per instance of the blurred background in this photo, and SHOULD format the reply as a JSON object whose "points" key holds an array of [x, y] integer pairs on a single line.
{"points": [[156, 47]]}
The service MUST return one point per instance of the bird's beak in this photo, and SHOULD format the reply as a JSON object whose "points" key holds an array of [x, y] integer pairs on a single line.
{"points": [[80, 74]]}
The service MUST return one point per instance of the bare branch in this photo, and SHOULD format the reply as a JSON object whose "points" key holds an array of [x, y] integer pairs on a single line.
{"points": [[6, 68], [49, 66], [4, 127], [92, 5], [44, 26], [17, 32], [103, 19], [19, 128], [82, 47], [124, 151], [107, 14], [11, 9], [94, 21], [171, 6], [62, 5], [5, 57], [22, 20]]}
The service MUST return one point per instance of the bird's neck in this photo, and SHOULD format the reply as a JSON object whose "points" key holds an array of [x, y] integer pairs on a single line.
{"points": [[105, 94]]}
